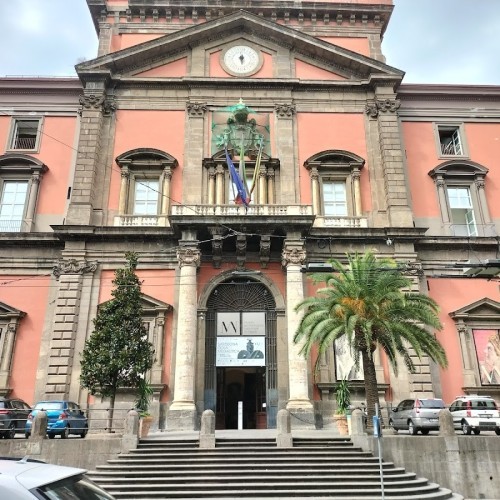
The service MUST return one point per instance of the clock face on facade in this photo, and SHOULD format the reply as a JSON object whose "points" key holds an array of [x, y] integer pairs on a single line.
{"points": [[241, 59]]}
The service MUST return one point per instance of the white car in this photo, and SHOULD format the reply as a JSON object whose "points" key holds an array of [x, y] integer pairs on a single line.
{"points": [[28, 479], [473, 413]]}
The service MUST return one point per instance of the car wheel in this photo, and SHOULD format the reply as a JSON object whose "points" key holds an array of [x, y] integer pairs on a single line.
{"points": [[424, 431], [466, 428], [11, 433], [476, 431], [65, 433], [412, 429], [84, 433], [27, 435], [51, 436], [497, 431]]}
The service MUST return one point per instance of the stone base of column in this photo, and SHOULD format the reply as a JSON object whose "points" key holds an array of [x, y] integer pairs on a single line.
{"points": [[302, 416], [182, 419]]}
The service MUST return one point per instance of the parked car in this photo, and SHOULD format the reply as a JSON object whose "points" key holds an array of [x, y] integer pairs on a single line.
{"points": [[473, 413], [13, 415], [417, 415], [64, 418], [28, 479]]}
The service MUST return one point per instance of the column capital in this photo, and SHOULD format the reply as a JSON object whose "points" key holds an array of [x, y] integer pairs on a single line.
{"points": [[373, 107], [188, 257], [285, 110], [196, 109]]}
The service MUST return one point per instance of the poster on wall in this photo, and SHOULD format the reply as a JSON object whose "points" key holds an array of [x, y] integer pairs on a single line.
{"points": [[487, 345], [240, 351], [344, 361]]}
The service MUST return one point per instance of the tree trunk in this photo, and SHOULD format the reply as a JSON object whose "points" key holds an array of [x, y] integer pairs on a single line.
{"points": [[371, 390], [111, 412]]}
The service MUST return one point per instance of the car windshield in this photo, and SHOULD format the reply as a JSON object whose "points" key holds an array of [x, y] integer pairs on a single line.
{"points": [[484, 405], [2, 404], [431, 403], [48, 406], [74, 488]]}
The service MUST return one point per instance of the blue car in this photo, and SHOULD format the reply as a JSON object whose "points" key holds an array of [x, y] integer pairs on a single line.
{"points": [[64, 418]]}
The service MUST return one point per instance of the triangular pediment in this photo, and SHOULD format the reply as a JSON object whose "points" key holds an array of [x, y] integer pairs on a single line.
{"points": [[161, 56], [150, 305], [8, 312], [482, 309]]}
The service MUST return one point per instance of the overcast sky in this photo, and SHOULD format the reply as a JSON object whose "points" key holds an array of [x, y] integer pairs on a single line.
{"points": [[433, 41]]}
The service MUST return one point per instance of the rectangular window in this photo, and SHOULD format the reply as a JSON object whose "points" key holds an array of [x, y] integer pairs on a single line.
{"points": [[233, 191], [146, 197], [25, 134], [462, 211], [334, 198], [449, 138], [12, 202]]}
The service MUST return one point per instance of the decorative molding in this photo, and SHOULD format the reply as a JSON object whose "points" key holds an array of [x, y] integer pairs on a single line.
{"points": [[412, 269], [241, 250], [72, 266], [285, 110], [196, 109], [295, 256], [188, 257], [92, 101], [373, 108], [265, 250]]}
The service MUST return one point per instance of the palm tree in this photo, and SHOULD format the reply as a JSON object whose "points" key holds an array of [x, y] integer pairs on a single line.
{"points": [[365, 302]]}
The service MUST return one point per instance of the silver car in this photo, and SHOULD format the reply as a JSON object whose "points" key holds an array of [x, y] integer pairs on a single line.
{"points": [[416, 415], [27, 479]]}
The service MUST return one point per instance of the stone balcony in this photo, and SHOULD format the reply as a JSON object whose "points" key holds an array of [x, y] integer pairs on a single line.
{"points": [[237, 211]]}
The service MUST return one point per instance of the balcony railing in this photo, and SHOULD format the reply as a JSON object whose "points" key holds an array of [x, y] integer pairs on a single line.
{"points": [[10, 226], [332, 221], [141, 220], [241, 210]]}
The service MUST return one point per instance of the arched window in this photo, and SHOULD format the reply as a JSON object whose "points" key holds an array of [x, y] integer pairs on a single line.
{"points": [[145, 187], [335, 184], [20, 177], [462, 200]]}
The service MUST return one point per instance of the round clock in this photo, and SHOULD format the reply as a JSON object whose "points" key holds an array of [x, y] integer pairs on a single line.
{"points": [[241, 59]]}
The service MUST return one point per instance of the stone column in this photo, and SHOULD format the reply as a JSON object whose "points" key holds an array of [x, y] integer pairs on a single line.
{"points": [[219, 185], [299, 404], [441, 189], [262, 185], [315, 194], [124, 187], [270, 185], [483, 203], [36, 177], [165, 199], [182, 413], [356, 176], [211, 185]]}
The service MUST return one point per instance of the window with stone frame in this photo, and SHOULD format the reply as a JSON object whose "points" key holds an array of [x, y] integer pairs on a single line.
{"points": [[335, 183], [145, 182], [478, 330], [462, 199], [25, 133], [220, 189], [20, 177], [10, 319]]}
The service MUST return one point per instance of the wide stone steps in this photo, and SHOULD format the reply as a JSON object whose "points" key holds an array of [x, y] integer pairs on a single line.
{"points": [[257, 469]]}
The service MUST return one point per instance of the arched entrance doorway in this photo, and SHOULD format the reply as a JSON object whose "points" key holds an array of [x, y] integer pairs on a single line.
{"points": [[240, 355]]}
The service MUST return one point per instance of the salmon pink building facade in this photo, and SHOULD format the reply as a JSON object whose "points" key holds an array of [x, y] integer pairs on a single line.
{"points": [[235, 149]]}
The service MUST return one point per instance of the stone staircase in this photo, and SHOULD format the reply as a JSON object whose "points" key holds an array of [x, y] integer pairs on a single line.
{"points": [[255, 468]]}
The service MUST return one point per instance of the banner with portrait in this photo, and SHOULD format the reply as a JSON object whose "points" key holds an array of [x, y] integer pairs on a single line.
{"points": [[487, 346]]}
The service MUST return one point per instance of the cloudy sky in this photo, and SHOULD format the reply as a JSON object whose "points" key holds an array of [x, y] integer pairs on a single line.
{"points": [[433, 41]]}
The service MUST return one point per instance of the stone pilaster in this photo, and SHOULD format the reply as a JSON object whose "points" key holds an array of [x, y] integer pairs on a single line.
{"points": [[299, 404], [384, 110], [64, 325], [182, 413], [94, 105], [194, 152], [285, 151]]}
